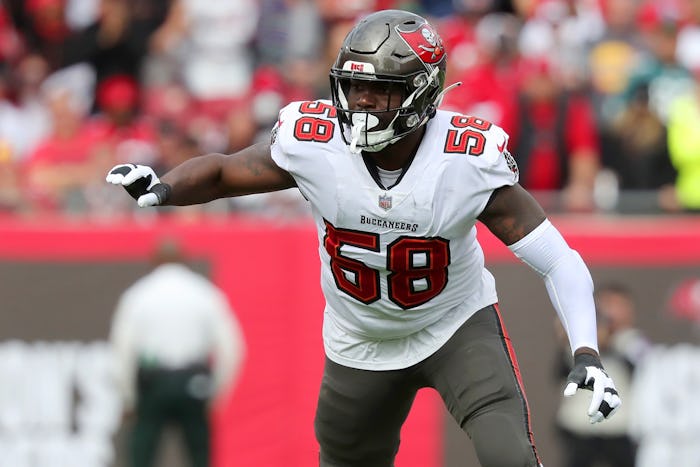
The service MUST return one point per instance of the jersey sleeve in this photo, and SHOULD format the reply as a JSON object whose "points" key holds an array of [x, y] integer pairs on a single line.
{"points": [[285, 148], [280, 137], [497, 164], [301, 141], [497, 167]]}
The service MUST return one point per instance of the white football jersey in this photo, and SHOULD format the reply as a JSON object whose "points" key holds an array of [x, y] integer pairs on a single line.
{"points": [[401, 268]]}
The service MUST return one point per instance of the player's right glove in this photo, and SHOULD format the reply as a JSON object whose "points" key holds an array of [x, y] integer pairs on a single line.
{"points": [[141, 182], [588, 373]]}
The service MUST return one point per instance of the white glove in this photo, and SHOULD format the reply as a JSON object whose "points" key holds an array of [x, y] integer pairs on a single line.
{"points": [[588, 373], [141, 182]]}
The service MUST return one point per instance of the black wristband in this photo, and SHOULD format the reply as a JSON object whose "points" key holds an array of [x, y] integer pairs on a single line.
{"points": [[587, 359], [162, 191]]}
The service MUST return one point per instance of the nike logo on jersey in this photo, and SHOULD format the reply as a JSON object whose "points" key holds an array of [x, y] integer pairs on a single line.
{"points": [[502, 146]]}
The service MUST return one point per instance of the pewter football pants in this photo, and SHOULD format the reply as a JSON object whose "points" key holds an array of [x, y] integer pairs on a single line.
{"points": [[360, 412]]}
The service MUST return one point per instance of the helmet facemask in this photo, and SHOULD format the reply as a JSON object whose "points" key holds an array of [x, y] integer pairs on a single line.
{"points": [[364, 130]]}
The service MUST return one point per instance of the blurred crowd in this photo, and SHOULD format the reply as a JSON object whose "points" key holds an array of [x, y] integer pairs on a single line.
{"points": [[601, 97]]}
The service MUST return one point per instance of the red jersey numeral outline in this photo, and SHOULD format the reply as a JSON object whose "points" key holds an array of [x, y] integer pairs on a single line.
{"points": [[361, 282], [468, 138], [318, 129]]}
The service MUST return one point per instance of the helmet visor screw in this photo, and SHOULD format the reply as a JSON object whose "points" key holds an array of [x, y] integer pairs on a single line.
{"points": [[420, 81]]}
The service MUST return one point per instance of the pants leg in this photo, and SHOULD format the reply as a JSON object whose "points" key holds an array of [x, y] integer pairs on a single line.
{"points": [[576, 451], [165, 397], [190, 413], [151, 417], [478, 378], [144, 441], [620, 451], [360, 414], [591, 451]]}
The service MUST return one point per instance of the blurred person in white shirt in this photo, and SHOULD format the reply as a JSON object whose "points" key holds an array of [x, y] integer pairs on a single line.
{"points": [[178, 347]]}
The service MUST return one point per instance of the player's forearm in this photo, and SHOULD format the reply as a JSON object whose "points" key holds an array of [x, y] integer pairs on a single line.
{"points": [[568, 283], [198, 180], [213, 176]]}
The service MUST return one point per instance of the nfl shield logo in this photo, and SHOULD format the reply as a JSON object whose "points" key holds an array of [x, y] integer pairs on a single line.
{"points": [[385, 202]]}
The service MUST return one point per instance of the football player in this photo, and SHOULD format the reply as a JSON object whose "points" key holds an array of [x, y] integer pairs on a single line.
{"points": [[396, 187]]}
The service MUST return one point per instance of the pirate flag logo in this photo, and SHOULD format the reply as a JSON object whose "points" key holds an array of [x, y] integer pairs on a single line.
{"points": [[425, 42]]}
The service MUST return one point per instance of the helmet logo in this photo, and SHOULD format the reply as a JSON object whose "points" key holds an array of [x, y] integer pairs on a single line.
{"points": [[425, 43], [360, 67]]}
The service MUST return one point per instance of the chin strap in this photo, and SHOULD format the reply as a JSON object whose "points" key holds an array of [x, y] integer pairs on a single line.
{"points": [[355, 137]]}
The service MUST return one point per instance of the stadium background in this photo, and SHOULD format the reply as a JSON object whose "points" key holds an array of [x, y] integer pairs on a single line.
{"points": [[70, 243]]}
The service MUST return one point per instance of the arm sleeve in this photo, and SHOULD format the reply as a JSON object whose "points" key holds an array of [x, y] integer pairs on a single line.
{"points": [[568, 281]]}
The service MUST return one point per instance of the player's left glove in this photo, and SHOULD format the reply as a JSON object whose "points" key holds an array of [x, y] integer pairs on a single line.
{"points": [[141, 182], [588, 373]]}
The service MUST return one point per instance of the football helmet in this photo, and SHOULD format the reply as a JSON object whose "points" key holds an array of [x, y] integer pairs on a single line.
{"points": [[391, 48]]}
